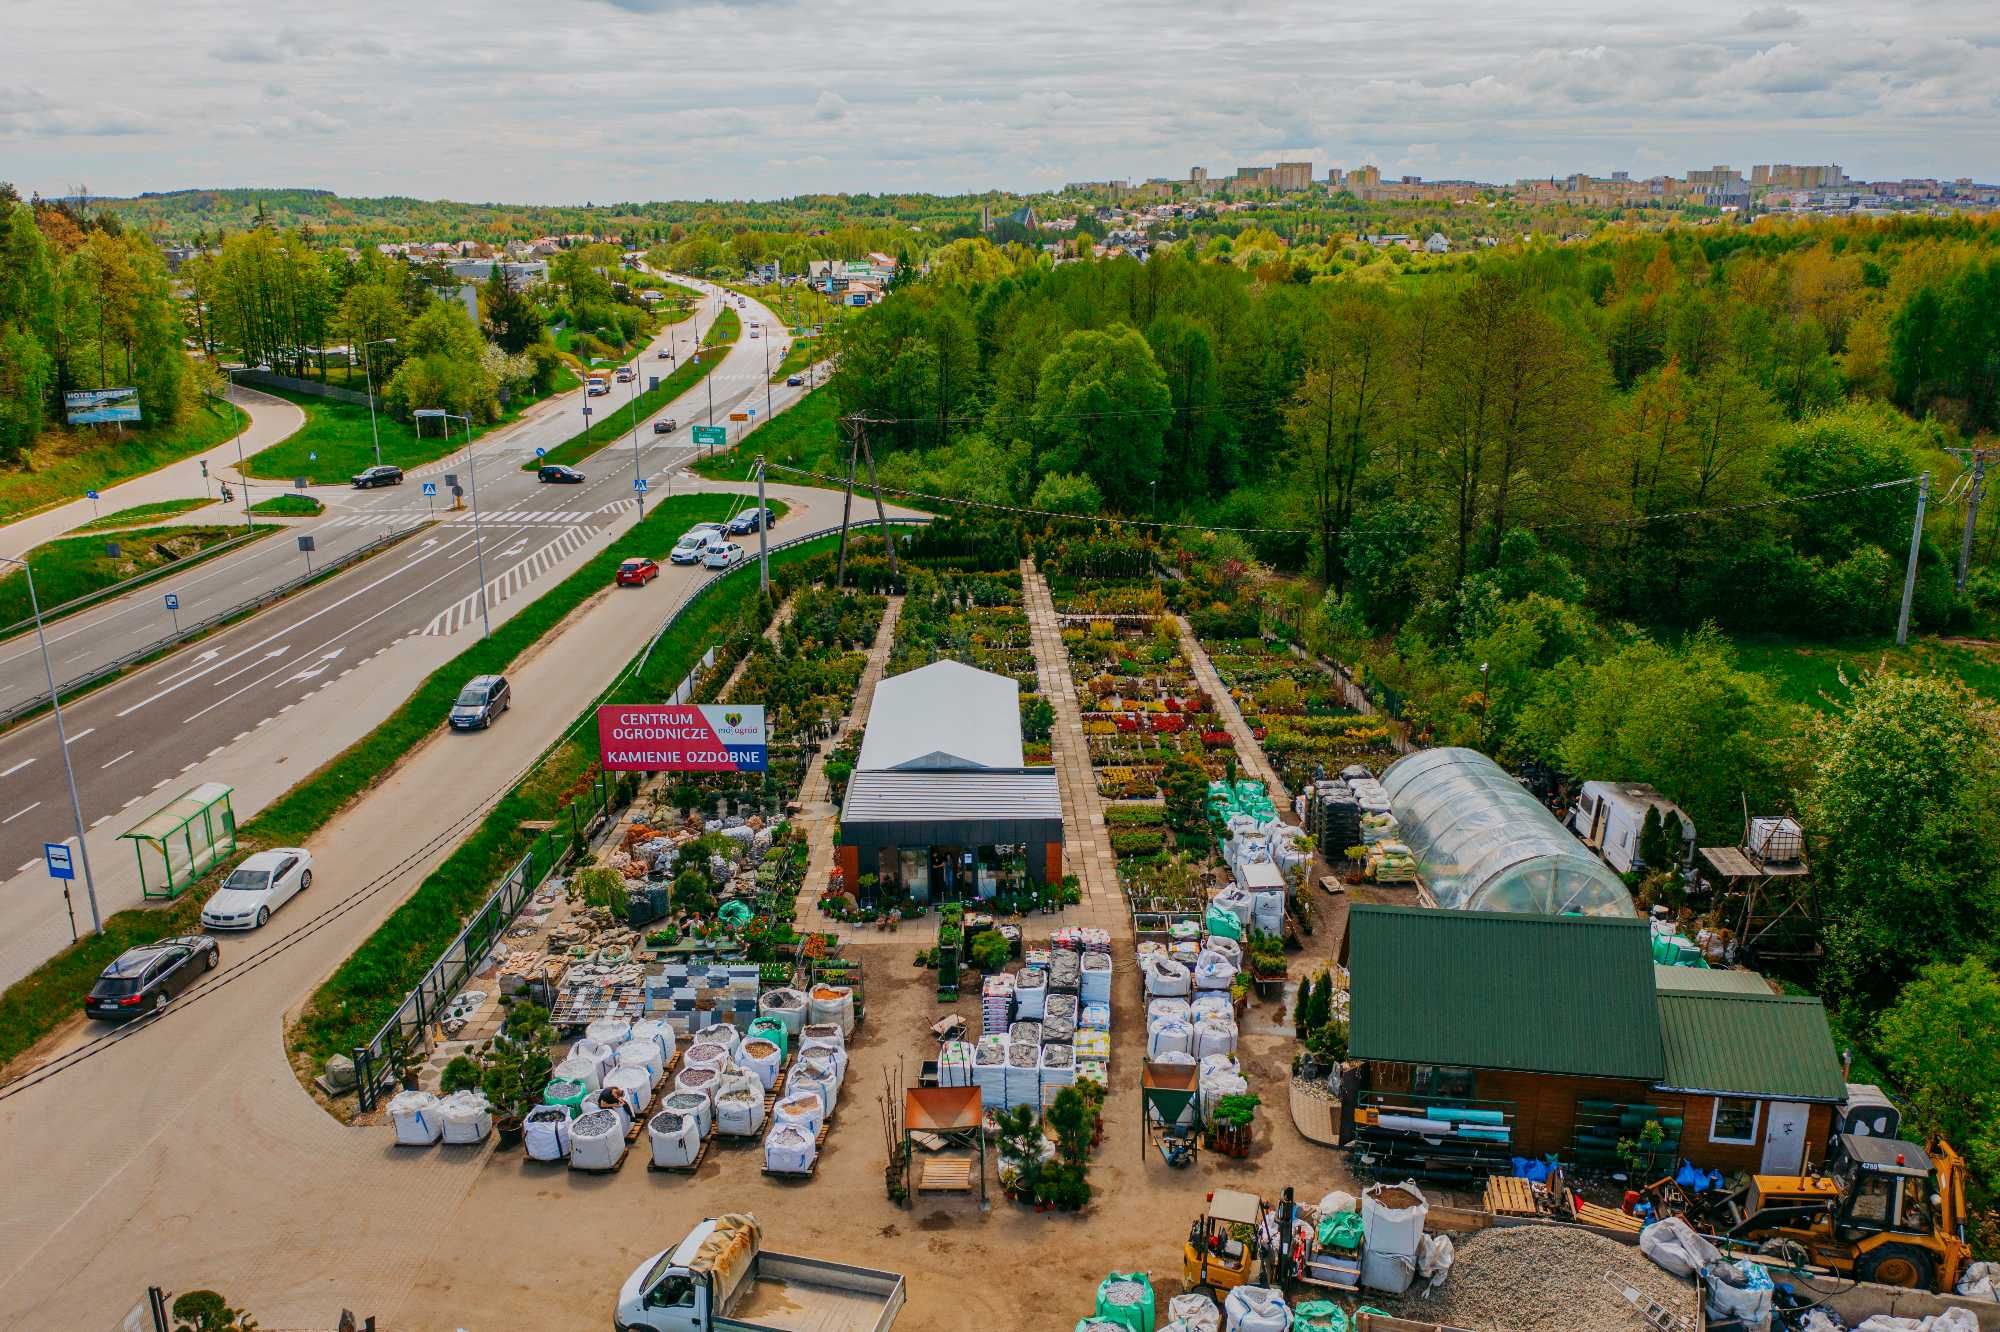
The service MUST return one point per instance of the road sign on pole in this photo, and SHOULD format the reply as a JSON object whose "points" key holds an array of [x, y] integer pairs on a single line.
{"points": [[57, 854], [430, 489], [543, 453], [173, 601], [639, 484], [711, 434]]}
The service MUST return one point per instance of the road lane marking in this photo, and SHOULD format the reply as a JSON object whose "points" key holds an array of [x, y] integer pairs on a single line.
{"points": [[80, 734], [120, 759], [27, 865], [213, 752], [189, 767], [19, 812], [105, 819], [239, 735], [16, 768]]}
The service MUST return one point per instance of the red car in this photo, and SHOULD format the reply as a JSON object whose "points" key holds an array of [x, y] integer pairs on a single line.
{"points": [[637, 573]]}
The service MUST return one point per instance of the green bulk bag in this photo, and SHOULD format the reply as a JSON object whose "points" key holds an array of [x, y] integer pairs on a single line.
{"points": [[1342, 1230], [1221, 920], [1137, 1315], [569, 1095], [773, 1030], [1319, 1316]]}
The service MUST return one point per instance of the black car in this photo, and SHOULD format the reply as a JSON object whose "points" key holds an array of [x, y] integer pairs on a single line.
{"points": [[482, 700], [795, 381], [385, 475], [666, 425], [144, 979], [750, 520], [561, 475]]}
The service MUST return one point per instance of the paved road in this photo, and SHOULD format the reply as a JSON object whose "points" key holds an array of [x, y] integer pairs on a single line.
{"points": [[143, 739], [185, 1154]]}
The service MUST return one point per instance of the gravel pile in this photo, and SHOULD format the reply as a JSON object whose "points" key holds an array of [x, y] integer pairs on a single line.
{"points": [[1546, 1279]]}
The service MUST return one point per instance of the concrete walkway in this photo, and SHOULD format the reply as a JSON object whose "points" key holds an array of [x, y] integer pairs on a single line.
{"points": [[1086, 841], [1249, 754], [817, 811], [271, 419]]}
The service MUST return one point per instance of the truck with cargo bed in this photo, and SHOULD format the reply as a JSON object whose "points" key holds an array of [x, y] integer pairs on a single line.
{"points": [[719, 1278]]}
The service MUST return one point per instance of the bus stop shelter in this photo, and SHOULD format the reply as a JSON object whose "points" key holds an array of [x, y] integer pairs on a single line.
{"points": [[182, 840]]}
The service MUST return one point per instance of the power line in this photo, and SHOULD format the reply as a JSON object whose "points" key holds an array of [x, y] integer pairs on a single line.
{"points": [[1745, 506]]}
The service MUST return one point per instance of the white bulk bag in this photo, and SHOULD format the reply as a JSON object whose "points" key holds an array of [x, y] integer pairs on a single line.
{"points": [[824, 1032], [762, 1058], [724, 1035], [596, 1140], [1031, 992], [1187, 952], [643, 1055], [660, 1034], [832, 1003], [1676, 1246], [1230, 950], [739, 1106], [598, 1053], [635, 1083], [1391, 1229], [676, 1139], [609, 1031], [1215, 1086], [789, 1149], [800, 1110], [545, 1133], [1196, 1311], [1175, 1010], [613, 1101], [1094, 982], [696, 1106], [1256, 1309], [1180, 1057], [1211, 1004], [1212, 1036], [1169, 1037], [467, 1117], [582, 1070], [789, 1006], [1235, 901], [1267, 910], [1167, 978], [818, 1077], [1212, 971], [699, 1081], [418, 1119], [826, 1052], [706, 1053]]}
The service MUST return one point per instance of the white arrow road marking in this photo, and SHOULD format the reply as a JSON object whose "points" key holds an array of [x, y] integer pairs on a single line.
{"points": [[317, 668]]}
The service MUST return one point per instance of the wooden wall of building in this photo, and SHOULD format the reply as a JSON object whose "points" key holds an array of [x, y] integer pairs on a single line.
{"points": [[1732, 1156]]}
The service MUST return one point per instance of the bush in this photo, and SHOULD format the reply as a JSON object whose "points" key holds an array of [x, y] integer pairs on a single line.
{"points": [[990, 951], [461, 1074], [1138, 841]]}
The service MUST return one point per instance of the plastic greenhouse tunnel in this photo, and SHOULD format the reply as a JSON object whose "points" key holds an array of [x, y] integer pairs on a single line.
{"points": [[1486, 844]]}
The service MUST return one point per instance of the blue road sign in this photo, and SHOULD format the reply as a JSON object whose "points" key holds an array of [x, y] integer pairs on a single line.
{"points": [[57, 855], [173, 601], [639, 484], [430, 489], [90, 494], [543, 453], [312, 457]]}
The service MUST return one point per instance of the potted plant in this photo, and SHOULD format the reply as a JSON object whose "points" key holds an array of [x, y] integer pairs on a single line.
{"points": [[517, 1069], [1230, 1134]]}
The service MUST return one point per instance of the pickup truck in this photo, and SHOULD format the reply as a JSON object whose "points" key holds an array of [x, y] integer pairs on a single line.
{"points": [[719, 1278]]}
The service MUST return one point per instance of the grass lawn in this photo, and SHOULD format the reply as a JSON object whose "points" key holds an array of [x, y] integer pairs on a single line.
{"points": [[797, 357], [289, 506], [72, 567], [616, 415], [142, 513], [803, 435], [66, 463], [36, 1004], [1809, 673]]}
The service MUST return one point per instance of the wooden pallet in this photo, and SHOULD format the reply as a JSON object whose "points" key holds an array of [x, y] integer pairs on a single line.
{"points": [[700, 1155], [1507, 1195], [623, 1152], [1608, 1218], [949, 1174]]}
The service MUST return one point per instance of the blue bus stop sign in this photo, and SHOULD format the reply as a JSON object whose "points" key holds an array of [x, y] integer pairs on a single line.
{"points": [[173, 601], [57, 854]]}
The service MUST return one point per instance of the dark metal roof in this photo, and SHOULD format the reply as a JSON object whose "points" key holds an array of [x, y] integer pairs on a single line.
{"points": [[1506, 990], [1768, 1045], [961, 795]]}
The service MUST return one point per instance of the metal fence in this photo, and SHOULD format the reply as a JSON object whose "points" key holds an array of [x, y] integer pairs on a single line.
{"points": [[13, 714]]}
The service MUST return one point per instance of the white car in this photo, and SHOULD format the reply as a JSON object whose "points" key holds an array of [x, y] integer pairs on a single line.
{"points": [[257, 887], [725, 556], [696, 543]]}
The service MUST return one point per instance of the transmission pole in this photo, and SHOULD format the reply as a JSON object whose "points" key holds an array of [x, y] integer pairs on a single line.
{"points": [[1910, 569], [1974, 493], [854, 429], [881, 515], [763, 528]]}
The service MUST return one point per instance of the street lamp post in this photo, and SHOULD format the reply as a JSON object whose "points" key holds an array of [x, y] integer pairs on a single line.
{"points": [[635, 444], [368, 371], [472, 477], [242, 472], [62, 743], [767, 377]]}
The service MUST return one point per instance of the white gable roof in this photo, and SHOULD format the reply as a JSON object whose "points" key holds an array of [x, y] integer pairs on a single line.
{"points": [[944, 715]]}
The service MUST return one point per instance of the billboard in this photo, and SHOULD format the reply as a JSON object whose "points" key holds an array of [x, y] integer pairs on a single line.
{"points": [[682, 737], [94, 405]]}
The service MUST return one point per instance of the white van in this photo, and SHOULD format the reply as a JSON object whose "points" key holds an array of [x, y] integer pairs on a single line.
{"points": [[694, 547]]}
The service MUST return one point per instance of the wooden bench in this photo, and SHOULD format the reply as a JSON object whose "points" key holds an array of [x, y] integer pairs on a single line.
{"points": [[946, 1174]]}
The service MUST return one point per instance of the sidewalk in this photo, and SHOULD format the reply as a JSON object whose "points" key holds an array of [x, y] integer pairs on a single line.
{"points": [[1248, 750], [271, 419], [1086, 842]]}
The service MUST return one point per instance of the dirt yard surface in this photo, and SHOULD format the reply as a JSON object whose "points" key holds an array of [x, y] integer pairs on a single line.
{"points": [[550, 1240]]}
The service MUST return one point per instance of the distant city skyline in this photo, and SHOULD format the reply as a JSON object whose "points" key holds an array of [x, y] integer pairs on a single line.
{"points": [[613, 100]]}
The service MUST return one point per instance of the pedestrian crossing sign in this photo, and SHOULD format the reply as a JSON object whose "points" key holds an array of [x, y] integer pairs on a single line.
{"points": [[430, 489]]}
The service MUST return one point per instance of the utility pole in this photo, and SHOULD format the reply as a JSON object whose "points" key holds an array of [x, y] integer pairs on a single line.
{"points": [[1910, 569], [763, 528], [881, 515], [853, 424], [1975, 492], [634, 398]]}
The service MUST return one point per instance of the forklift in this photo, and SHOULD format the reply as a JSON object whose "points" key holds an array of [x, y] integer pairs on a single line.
{"points": [[1215, 1257], [1885, 1210]]}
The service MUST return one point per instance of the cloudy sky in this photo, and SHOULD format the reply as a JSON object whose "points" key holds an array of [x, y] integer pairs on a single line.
{"points": [[573, 100]]}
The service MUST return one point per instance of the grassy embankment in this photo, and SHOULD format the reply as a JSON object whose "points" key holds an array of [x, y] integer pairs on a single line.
{"points": [[804, 435], [1809, 673], [76, 566], [140, 514], [69, 462], [289, 505], [616, 422], [35, 1005], [338, 433]]}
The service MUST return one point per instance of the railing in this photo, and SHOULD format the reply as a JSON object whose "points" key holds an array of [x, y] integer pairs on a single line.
{"points": [[13, 714], [407, 1032]]}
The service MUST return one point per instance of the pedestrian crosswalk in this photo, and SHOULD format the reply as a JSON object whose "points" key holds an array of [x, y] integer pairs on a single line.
{"points": [[504, 585], [537, 517]]}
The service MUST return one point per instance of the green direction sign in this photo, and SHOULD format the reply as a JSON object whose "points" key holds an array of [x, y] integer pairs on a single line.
{"points": [[711, 434]]}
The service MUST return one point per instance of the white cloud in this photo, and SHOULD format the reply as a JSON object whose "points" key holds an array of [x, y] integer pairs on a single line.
{"points": [[830, 107]]}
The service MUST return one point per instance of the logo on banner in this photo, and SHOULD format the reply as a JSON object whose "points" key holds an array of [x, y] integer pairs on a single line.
{"points": [[682, 737]]}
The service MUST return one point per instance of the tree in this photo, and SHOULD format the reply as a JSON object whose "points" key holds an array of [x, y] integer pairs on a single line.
{"points": [[1942, 1042], [1196, 440], [370, 312], [444, 366], [1337, 415], [206, 1311], [1067, 492], [24, 388], [1906, 856], [1102, 409]]}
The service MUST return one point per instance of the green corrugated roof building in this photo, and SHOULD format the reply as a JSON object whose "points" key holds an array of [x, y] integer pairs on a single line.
{"points": [[1763, 1045], [1543, 994]]}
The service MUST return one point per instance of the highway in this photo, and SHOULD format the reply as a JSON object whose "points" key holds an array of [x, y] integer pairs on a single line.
{"points": [[220, 709]]}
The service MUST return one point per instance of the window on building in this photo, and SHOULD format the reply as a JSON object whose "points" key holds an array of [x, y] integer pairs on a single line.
{"points": [[1442, 1080], [1735, 1120]]}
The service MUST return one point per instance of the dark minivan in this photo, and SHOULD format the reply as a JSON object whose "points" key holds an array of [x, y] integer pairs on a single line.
{"points": [[144, 979], [482, 700]]}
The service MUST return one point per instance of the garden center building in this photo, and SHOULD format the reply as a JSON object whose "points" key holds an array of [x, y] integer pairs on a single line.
{"points": [[942, 805]]}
